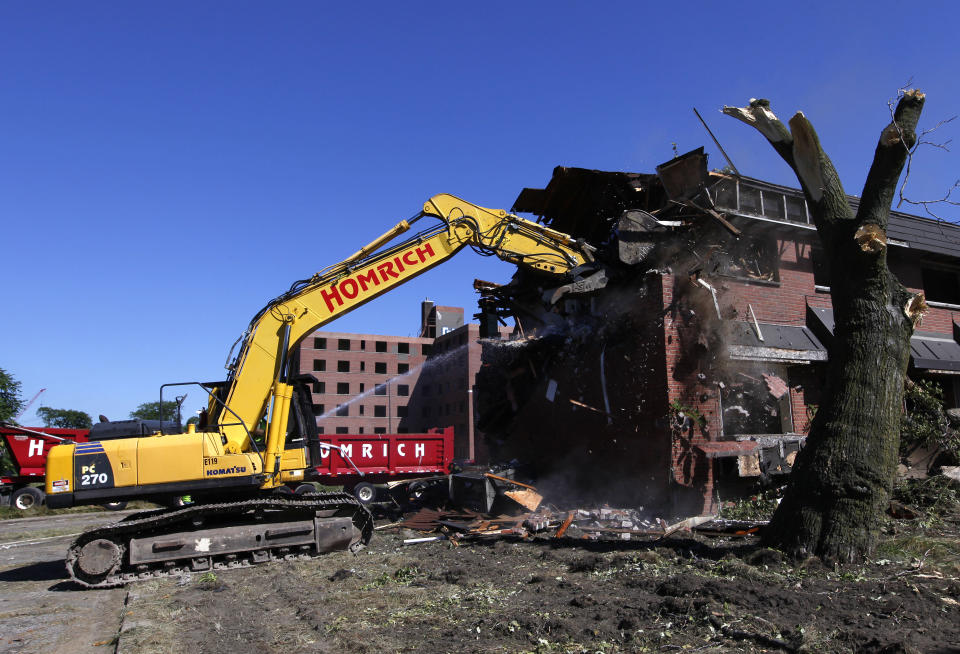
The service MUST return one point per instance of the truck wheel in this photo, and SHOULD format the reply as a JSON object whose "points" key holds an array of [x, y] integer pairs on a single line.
{"points": [[114, 506], [365, 492], [303, 489], [26, 498]]}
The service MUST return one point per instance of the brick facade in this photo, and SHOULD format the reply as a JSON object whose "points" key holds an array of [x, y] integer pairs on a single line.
{"points": [[784, 301]]}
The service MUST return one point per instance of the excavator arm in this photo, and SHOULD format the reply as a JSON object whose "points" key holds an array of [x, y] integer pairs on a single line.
{"points": [[258, 375], [236, 520]]}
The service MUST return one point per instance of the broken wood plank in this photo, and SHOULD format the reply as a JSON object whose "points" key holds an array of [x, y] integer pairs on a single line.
{"points": [[509, 481]]}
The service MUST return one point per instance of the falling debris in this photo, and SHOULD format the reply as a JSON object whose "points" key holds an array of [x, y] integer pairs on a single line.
{"points": [[778, 387]]}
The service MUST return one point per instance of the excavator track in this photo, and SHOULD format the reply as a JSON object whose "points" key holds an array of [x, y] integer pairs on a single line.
{"points": [[206, 537]]}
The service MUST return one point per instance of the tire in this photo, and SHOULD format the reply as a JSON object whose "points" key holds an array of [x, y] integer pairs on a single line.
{"points": [[114, 506], [365, 493], [283, 491], [27, 497], [417, 490], [303, 489]]}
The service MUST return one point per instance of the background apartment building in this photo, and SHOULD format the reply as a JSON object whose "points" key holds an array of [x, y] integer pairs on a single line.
{"points": [[378, 384]]}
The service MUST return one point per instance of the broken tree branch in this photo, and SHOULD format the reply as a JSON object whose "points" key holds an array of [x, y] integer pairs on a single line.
{"points": [[893, 149], [800, 148]]}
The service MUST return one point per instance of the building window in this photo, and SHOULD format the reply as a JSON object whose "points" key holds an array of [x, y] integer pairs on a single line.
{"points": [[403, 390], [381, 389], [426, 349], [343, 344], [403, 348], [363, 345], [359, 430], [403, 368], [363, 366], [379, 430], [317, 409], [362, 386], [343, 388], [941, 285], [319, 388], [343, 410], [361, 409], [380, 411], [403, 430], [401, 412], [319, 344], [320, 365], [380, 367], [821, 271], [381, 346], [319, 430], [342, 430], [343, 366]]}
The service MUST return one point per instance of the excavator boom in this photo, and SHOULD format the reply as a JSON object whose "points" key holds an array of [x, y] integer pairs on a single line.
{"points": [[370, 272]]}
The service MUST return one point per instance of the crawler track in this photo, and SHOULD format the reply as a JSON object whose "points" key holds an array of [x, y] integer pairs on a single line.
{"points": [[203, 537]]}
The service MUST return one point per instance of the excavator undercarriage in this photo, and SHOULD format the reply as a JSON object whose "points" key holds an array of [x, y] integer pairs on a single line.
{"points": [[205, 537]]}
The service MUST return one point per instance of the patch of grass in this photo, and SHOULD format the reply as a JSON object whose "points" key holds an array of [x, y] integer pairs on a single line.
{"points": [[402, 576], [936, 496], [934, 554]]}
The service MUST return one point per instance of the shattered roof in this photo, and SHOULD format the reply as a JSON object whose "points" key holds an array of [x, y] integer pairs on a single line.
{"points": [[582, 202]]}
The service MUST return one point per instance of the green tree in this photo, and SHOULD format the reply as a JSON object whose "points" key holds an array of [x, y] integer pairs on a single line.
{"points": [[842, 478], [64, 418], [151, 411], [10, 400]]}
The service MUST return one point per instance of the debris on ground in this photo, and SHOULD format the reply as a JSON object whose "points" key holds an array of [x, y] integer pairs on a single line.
{"points": [[598, 524]]}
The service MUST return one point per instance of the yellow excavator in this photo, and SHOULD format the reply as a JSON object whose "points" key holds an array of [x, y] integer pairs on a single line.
{"points": [[230, 466]]}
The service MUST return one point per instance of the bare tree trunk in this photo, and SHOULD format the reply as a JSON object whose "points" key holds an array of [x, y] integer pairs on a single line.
{"points": [[842, 479]]}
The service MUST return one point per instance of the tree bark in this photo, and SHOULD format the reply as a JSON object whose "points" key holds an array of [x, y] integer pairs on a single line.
{"points": [[842, 478]]}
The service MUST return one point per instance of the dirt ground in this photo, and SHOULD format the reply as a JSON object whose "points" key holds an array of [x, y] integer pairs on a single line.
{"points": [[680, 594], [683, 593]]}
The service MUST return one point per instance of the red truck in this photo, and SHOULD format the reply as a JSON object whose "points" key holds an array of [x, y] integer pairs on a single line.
{"points": [[28, 447], [383, 458]]}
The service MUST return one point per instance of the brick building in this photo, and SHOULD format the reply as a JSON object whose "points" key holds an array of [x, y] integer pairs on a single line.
{"points": [[697, 367], [378, 384]]}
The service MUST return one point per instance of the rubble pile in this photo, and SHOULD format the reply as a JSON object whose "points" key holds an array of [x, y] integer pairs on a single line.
{"points": [[596, 524], [458, 523]]}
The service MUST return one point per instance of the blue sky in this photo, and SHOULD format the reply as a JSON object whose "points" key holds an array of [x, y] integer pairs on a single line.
{"points": [[166, 168]]}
